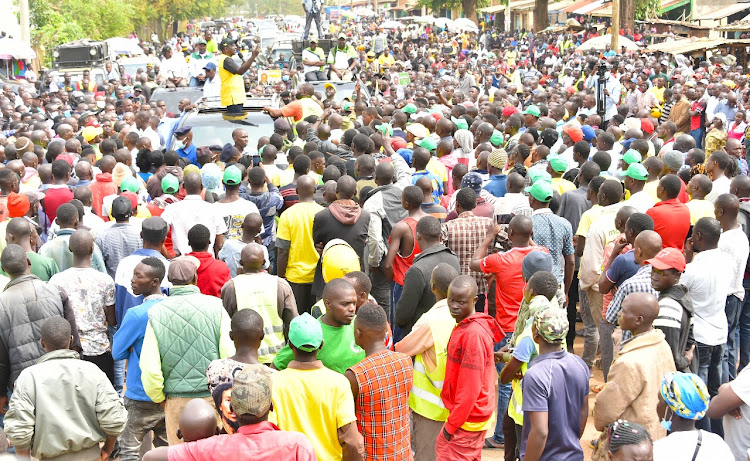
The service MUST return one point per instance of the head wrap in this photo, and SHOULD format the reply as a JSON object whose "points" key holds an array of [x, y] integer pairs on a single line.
{"points": [[686, 394]]}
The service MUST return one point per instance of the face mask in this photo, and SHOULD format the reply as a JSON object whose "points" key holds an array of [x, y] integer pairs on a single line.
{"points": [[100, 104], [667, 423], [180, 144], [285, 78]]}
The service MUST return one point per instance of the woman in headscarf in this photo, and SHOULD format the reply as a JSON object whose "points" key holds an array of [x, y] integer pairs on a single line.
{"points": [[463, 142], [716, 138], [683, 400]]}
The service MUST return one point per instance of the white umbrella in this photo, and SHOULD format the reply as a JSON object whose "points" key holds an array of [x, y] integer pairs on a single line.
{"points": [[464, 24], [366, 12], [120, 45], [600, 43], [443, 23], [11, 48], [390, 25]]}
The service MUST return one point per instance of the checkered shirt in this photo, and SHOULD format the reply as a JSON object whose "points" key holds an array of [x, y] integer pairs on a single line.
{"points": [[382, 405], [463, 235]]}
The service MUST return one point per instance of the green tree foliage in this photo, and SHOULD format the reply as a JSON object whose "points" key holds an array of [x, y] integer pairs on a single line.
{"points": [[468, 7]]}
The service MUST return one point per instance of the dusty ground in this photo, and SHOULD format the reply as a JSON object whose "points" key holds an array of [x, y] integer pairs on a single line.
{"points": [[589, 433]]}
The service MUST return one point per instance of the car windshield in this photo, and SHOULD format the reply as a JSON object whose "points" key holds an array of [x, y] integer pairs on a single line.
{"points": [[172, 96], [276, 54], [343, 90], [212, 129]]}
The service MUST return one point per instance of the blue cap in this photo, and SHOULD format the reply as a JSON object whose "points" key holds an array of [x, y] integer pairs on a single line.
{"points": [[472, 180], [210, 66], [182, 131], [406, 154], [226, 152], [588, 132]]}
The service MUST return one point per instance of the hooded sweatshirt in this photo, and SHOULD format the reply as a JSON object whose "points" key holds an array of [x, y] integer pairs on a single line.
{"points": [[472, 364], [102, 187], [212, 273], [345, 220], [676, 321]]}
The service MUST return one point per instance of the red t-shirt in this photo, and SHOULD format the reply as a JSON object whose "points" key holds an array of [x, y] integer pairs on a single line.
{"points": [[53, 198], [509, 282], [671, 222]]}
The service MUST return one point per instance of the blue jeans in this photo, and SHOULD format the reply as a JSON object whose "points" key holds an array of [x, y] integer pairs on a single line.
{"points": [[396, 290], [194, 82], [733, 309], [744, 328], [119, 367], [503, 396], [697, 134], [709, 359]]}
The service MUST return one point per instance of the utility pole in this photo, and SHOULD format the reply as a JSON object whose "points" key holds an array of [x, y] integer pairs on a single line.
{"points": [[23, 7], [615, 25]]}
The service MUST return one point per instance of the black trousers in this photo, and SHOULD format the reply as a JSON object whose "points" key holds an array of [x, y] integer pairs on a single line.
{"points": [[303, 296], [105, 362]]}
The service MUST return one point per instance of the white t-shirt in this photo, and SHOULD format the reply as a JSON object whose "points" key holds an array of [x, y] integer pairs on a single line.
{"points": [[734, 243], [707, 279], [737, 431], [234, 215], [720, 186], [679, 446], [183, 215]]}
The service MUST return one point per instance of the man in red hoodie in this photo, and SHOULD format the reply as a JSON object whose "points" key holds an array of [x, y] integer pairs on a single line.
{"points": [[212, 273], [471, 363], [103, 186], [58, 193]]}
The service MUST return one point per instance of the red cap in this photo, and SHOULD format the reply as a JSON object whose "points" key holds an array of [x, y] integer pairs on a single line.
{"points": [[398, 143], [668, 258], [575, 132], [647, 126], [132, 197], [508, 111]]}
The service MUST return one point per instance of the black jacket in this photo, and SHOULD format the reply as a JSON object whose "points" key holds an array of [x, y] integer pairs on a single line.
{"points": [[417, 297]]}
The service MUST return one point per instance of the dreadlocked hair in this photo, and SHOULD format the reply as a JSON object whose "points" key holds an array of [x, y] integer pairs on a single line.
{"points": [[623, 433]]}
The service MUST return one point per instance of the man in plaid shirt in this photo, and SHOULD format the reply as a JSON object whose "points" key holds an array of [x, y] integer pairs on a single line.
{"points": [[464, 234], [646, 246]]}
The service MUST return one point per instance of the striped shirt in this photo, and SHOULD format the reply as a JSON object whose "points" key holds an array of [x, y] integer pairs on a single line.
{"points": [[382, 405], [639, 283], [117, 243]]}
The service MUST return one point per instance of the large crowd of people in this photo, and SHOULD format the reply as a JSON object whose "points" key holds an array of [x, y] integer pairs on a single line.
{"points": [[391, 279]]}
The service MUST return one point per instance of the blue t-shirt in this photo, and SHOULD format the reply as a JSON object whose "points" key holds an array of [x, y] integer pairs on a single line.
{"points": [[190, 153], [496, 186], [556, 383], [623, 267], [525, 350], [437, 183]]}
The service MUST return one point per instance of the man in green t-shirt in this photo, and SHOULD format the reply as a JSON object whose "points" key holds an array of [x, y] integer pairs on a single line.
{"points": [[339, 351], [19, 232]]}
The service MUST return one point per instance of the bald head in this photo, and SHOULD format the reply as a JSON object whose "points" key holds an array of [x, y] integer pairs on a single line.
{"points": [[252, 257], [740, 186], [425, 184], [521, 226], [305, 187], [727, 207], [647, 245], [643, 308], [81, 243], [197, 421], [384, 173], [346, 188], [193, 184], [18, 232]]}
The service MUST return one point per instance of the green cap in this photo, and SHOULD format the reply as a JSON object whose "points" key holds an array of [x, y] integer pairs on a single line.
{"points": [[201, 41], [170, 184], [558, 163], [461, 123], [410, 109], [632, 156], [305, 333], [532, 110], [497, 138], [552, 324], [541, 190], [427, 143], [385, 129], [129, 184], [232, 176], [637, 171], [537, 174]]}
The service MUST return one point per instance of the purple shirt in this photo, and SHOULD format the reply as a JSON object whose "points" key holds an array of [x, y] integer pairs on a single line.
{"points": [[556, 383]]}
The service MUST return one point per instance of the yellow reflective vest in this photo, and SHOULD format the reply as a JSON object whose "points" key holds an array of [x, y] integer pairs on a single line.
{"points": [[424, 398], [259, 292]]}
